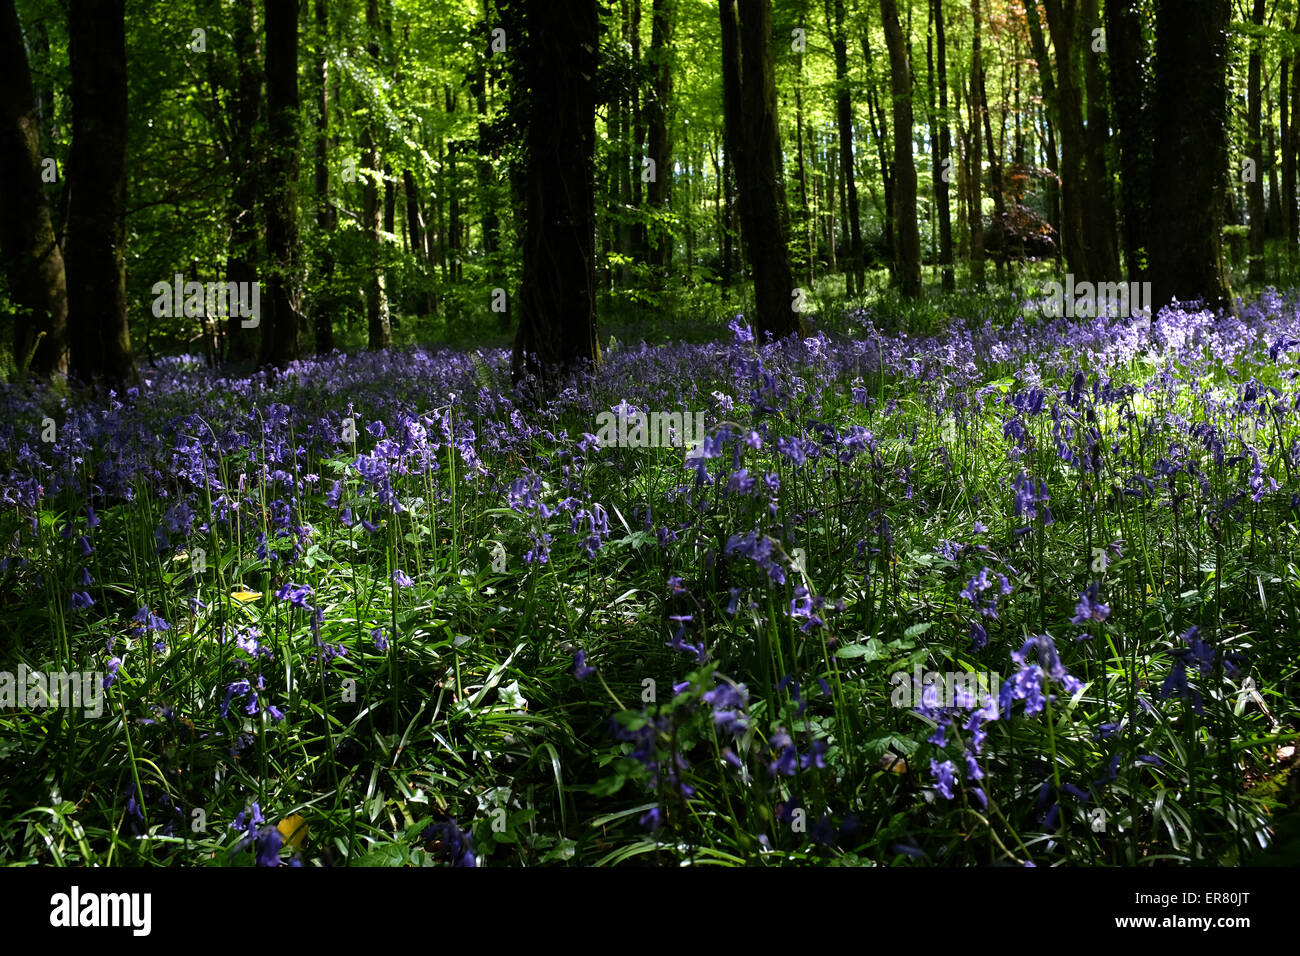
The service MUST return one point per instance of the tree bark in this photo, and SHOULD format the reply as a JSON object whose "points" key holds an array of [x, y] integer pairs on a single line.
{"points": [[379, 333], [33, 261], [246, 176], [557, 325], [1190, 120], [640, 235], [98, 334], [805, 214], [1131, 92], [326, 216], [1255, 184], [880, 132], [853, 264], [659, 125], [909, 237], [1292, 151], [282, 325], [1088, 209], [752, 128], [1099, 222], [975, 157], [942, 174]]}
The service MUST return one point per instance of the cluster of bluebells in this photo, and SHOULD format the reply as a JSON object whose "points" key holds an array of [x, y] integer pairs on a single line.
{"points": [[297, 595], [969, 714], [1203, 656], [1027, 683], [1028, 495], [986, 604], [252, 687], [1090, 607], [266, 840]]}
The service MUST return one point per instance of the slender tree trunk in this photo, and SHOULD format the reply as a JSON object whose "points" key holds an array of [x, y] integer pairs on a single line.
{"points": [[557, 324], [805, 214], [33, 262], [414, 217], [378, 324], [490, 220], [909, 237], [98, 334], [998, 232], [1276, 228], [640, 235], [246, 175], [975, 155], [326, 216], [945, 151], [1067, 110], [1286, 198], [1100, 218], [1131, 92], [1190, 120], [752, 124], [880, 133], [659, 124], [1255, 183], [1292, 151], [853, 265], [281, 327], [833, 189], [1088, 206]]}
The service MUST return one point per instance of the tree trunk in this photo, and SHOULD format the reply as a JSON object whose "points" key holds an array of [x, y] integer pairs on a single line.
{"points": [[942, 173], [998, 232], [1255, 143], [487, 180], [1089, 217], [1276, 228], [659, 124], [1190, 120], [557, 324], [98, 334], [640, 238], [241, 344], [975, 158], [751, 118], [1131, 92], [378, 326], [1100, 196], [1286, 198], [853, 264], [900, 71], [880, 133], [326, 216], [282, 326], [805, 213], [1292, 151], [33, 262]]}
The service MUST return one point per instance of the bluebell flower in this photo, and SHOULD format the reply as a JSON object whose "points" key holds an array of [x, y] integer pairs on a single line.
{"points": [[945, 776], [816, 757], [580, 669], [295, 594], [454, 842], [1089, 608]]}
